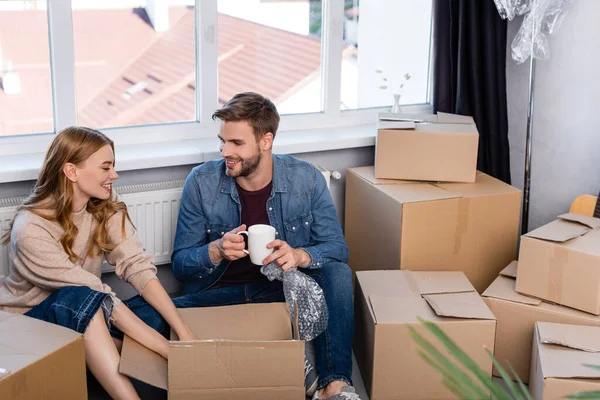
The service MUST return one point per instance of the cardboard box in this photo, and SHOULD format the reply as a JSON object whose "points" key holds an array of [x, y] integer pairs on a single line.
{"points": [[516, 315], [245, 351], [422, 226], [39, 360], [560, 262], [387, 303], [558, 363], [439, 147]]}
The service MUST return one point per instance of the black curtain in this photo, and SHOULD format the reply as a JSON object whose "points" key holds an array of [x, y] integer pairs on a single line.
{"points": [[469, 53]]}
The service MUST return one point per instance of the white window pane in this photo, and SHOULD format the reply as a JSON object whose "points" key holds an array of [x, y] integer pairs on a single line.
{"points": [[132, 68], [25, 85], [384, 40], [274, 48]]}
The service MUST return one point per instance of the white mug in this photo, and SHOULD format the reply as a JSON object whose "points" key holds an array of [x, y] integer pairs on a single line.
{"points": [[258, 237]]}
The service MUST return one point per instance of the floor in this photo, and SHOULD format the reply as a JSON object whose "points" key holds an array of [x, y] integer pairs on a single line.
{"points": [[147, 392]]}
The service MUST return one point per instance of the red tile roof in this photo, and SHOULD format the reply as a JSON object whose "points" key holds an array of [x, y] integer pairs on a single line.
{"points": [[252, 57]]}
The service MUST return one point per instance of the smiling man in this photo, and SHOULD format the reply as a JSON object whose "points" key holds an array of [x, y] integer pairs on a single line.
{"points": [[249, 185]]}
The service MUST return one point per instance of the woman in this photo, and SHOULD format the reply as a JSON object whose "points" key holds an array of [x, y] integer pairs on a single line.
{"points": [[58, 239]]}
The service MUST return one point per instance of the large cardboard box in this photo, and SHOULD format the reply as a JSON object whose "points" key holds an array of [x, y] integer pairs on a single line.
{"points": [[560, 262], [439, 147], [516, 315], [244, 351], [560, 355], [39, 360], [422, 226], [387, 303]]}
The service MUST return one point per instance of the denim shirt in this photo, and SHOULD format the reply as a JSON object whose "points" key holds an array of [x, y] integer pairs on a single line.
{"points": [[300, 209]]}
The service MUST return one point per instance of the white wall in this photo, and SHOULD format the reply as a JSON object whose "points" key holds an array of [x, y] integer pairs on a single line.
{"points": [[566, 141]]}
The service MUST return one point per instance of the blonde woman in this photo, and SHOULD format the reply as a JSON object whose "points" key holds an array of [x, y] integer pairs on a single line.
{"points": [[58, 239]]}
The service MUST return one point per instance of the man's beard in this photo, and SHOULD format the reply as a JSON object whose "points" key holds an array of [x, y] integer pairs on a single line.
{"points": [[248, 166]]}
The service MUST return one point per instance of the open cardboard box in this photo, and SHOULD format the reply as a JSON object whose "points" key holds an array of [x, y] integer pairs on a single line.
{"points": [[388, 303], [440, 147], [560, 262], [560, 355], [516, 315], [244, 351], [425, 226], [39, 360]]}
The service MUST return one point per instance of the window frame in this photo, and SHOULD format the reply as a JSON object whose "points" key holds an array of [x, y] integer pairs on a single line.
{"points": [[64, 96]]}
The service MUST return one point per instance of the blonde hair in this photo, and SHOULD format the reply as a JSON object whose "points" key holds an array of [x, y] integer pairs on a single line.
{"points": [[52, 196]]}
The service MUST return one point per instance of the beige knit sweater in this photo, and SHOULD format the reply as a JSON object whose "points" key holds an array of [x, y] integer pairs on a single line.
{"points": [[39, 265]]}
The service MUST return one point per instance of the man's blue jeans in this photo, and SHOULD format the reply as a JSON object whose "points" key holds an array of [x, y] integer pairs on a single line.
{"points": [[334, 346]]}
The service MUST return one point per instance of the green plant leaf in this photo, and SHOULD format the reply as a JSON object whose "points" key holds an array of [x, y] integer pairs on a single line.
{"points": [[585, 395], [497, 392], [524, 389], [505, 377], [592, 366], [465, 381], [450, 381]]}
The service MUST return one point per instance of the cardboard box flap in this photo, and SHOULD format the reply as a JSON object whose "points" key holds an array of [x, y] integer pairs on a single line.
{"points": [[586, 338], [395, 125], [503, 288], [582, 219], [445, 118], [417, 192], [559, 230], [459, 305], [510, 270], [392, 310], [143, 364], [270, 321], [407, 117], [35, 340], [386, 283], [437, 282], [368, 174], [567, 360], [484, 185]]}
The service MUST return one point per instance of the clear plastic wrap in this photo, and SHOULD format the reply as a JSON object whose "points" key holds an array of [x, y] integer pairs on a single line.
{"points": [[542, 18], [301, 291]]}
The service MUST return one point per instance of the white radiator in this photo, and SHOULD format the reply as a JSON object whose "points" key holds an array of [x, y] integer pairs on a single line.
{"points": [[153, 208]]}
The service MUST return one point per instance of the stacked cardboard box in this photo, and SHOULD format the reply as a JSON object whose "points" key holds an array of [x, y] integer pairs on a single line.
{"points": [[516, 315], [39, 360], [561, 358], [245, 351], [428, 221], [388, 303]]}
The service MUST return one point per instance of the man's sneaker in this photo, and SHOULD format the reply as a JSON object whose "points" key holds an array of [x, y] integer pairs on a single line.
{"points": [[347, 393], [311, 377]]}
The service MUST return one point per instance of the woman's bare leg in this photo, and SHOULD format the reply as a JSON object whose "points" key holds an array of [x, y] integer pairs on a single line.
{"points": [[132, 326], [102, 359]]}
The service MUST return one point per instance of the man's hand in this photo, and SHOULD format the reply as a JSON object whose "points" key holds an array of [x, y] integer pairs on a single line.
{"points": [[286, 256], [229, 247], [186, 334]]}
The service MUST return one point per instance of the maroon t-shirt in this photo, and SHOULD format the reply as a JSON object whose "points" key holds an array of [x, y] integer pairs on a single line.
{"points": [[254, 211]]}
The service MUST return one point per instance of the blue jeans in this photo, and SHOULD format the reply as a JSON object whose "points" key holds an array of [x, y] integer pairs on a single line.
{"points": [[334, 346], [72, 307]]}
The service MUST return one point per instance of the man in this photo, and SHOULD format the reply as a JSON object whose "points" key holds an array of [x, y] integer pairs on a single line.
{"points": [[249, 186]]}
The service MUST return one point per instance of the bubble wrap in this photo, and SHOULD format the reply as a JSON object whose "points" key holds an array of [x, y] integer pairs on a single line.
{"points": [[542, 18], [301, 291]]}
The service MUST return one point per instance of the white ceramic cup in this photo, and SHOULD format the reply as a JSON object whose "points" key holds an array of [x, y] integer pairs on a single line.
{"points": [[258, 237]]}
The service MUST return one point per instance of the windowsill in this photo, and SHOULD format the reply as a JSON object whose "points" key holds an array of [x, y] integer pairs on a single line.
{"points": [[24, 167]]}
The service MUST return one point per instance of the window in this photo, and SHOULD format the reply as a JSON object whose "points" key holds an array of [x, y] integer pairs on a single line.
{"points": [[394, 39], [155, 70], [25, 85]]}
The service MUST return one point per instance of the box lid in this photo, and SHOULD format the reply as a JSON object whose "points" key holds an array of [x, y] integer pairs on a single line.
{"points": [[504, 286], [403, 296], [564, 350], [249, 323], [25, 340], [566, 227], [510, 270]]}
